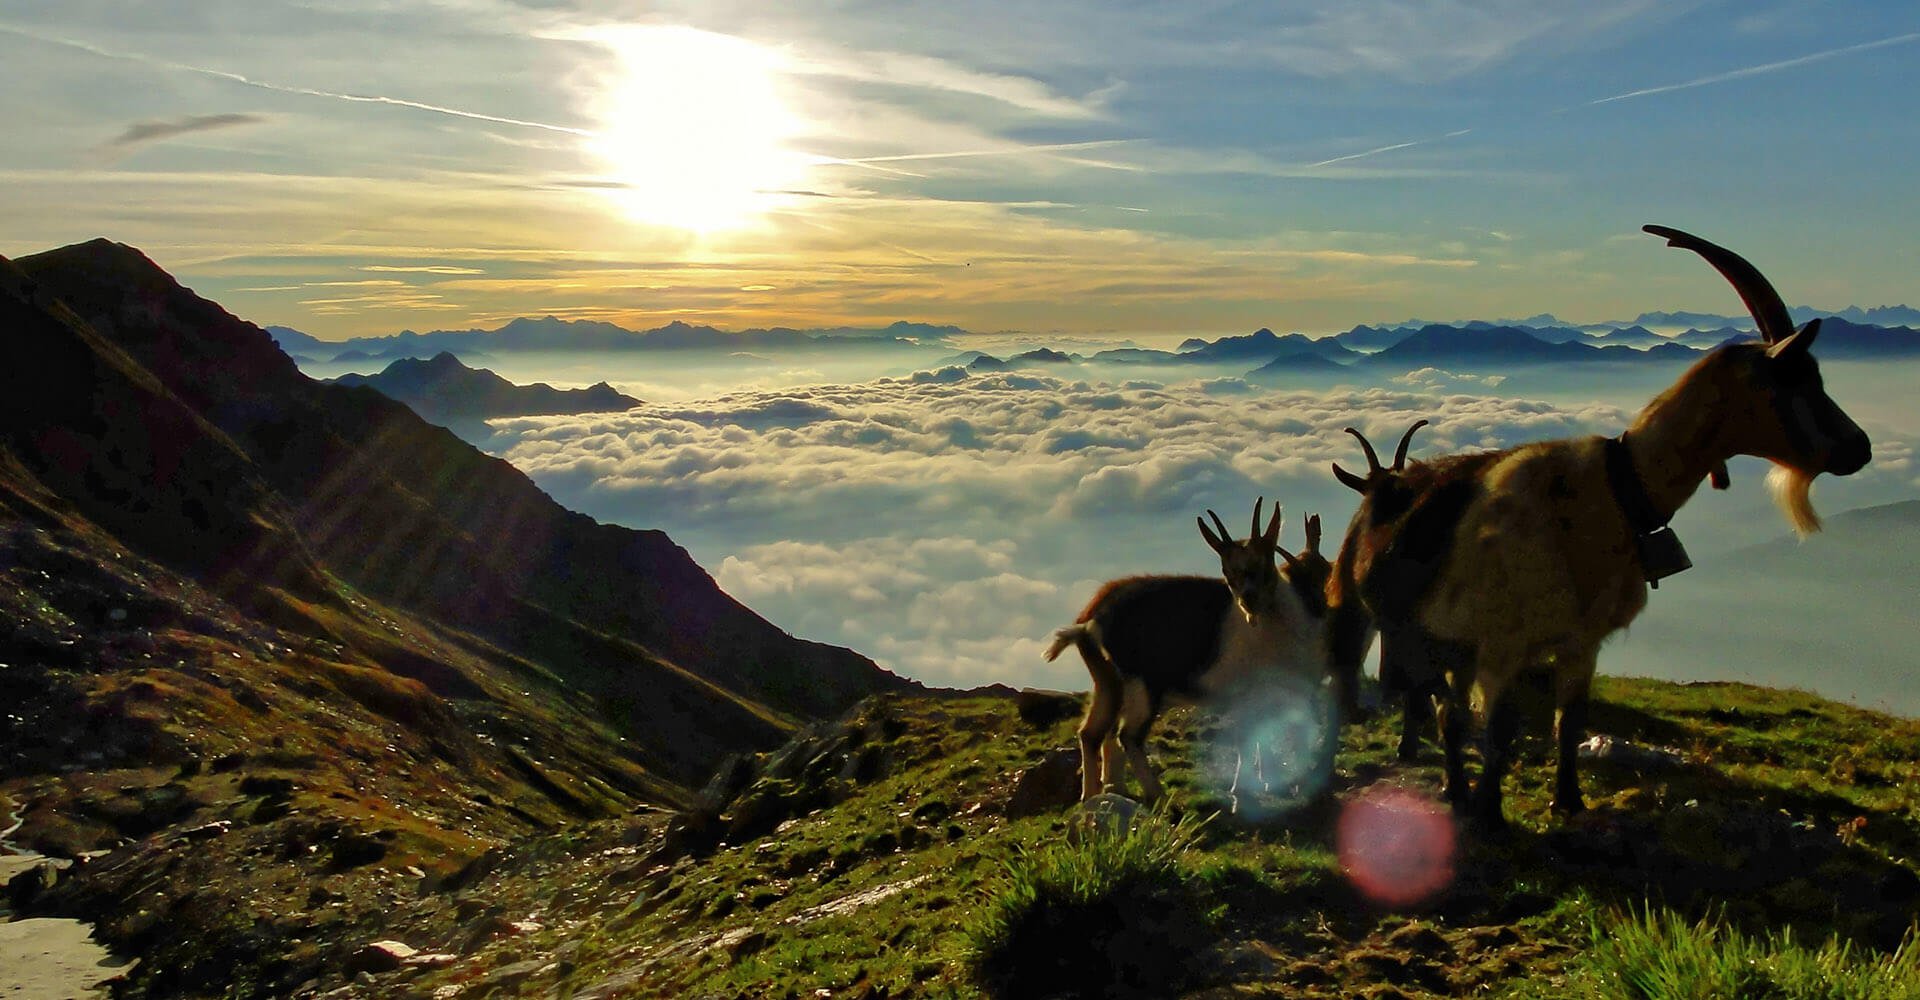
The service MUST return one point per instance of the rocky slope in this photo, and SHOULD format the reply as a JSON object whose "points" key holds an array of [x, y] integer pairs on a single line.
{"points": [[275, 644]]}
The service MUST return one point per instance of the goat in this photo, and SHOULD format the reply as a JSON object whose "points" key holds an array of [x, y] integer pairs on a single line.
{"points": [[1151, 641], [1390, 552], [1553, 544]]}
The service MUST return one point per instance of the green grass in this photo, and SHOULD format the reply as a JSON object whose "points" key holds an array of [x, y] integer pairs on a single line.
{"points": [[1657, 954], [1113, 911]]}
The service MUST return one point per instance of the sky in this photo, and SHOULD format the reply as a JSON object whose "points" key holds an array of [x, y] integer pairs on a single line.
{"points": [[1111, 169]]}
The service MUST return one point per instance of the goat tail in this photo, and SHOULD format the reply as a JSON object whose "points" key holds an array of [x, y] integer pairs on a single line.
{"points": [[1072, 635]]}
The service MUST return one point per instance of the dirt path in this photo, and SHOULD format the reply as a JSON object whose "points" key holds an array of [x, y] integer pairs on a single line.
{"points": [[43, 958]]}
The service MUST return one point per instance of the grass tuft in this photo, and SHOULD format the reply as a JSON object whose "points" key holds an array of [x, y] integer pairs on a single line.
{"points": [[1659, 955], [1112, 914]]}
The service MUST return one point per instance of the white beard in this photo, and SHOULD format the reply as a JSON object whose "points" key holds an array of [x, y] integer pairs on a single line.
{"points": [[1793, 493]]}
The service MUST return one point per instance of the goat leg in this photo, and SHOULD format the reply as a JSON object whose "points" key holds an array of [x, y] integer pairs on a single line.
{"points": [[1503, 724], [1455, 716], [1570, 727]]}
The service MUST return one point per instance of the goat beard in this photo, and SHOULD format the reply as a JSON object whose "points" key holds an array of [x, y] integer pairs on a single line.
{"points": [[1792, 492]]}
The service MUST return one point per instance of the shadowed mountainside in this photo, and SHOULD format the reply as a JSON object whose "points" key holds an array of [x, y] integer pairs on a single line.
{"points": [[185, 435]]}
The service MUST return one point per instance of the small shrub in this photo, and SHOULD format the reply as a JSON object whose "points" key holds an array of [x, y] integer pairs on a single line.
{"points": [[1115, 915], [1658, 955]]}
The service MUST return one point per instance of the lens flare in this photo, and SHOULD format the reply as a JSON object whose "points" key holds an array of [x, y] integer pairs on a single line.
{"points": [[1282, 735], [1396, 846]]}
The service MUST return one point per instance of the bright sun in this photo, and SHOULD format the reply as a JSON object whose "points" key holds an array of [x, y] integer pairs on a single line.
{"points": [[694, 129]]}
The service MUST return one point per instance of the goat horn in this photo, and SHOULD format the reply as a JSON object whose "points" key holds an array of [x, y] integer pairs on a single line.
{"points": [[1400, 457], [1768, 311], [1313, 532], [1225, 535], [1254, 532], [1373, 460]]}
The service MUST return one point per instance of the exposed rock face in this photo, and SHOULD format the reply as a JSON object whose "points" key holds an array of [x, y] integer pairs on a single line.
{"points": [[1053, 783]]}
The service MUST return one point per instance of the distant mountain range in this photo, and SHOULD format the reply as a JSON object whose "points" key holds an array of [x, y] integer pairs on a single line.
{"points": [[445, 391], [1367, 348], [551, 333]]}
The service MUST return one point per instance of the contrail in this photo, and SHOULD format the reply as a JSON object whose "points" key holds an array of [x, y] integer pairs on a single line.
{"points": [[1764, 68], [1388, 149], [1006, 151], [278, 88], [1736, 74]]}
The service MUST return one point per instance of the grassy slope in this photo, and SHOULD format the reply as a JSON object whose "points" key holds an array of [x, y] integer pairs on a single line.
{"points": [[885, 893]]}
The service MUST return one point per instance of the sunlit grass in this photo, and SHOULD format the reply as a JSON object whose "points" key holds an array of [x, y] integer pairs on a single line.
{"points": [[1656, 954]]}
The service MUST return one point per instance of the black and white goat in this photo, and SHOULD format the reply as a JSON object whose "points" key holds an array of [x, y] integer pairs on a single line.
{"points": [[1551, 545], [1153, 641]]}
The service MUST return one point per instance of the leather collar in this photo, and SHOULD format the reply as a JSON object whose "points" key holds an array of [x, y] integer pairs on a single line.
{"points": [[1629, 492]]}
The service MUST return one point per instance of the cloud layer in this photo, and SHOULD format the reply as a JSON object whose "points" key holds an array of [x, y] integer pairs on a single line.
{"points": [[946, 523]]}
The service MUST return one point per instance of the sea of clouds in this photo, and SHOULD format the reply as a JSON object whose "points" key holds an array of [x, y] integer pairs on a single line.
{"points": [[944, 523]]}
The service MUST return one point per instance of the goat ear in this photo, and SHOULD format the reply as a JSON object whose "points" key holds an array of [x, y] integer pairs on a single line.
{"points": [[1719, 476], [1292, 560], [1349, 480], [1799, 343]]}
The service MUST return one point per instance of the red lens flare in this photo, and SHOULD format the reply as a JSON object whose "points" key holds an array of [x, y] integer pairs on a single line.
{"points": [[1396, 846]]}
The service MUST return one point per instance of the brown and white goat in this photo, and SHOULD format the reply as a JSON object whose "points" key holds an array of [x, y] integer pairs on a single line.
{"points": [[1153, 641], [1555, 542]]}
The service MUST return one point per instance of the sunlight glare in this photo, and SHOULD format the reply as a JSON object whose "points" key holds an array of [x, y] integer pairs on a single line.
{"points": [[694, 128]]}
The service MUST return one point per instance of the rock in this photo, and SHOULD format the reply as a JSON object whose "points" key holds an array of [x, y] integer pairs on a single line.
{"points": [[1615, 750], [1106, 813], [27, 886], [473, 871], [867, 764], [1041, 708], [1051, 784], [431, 960], [507, 977], [380, 956], [353, 850], [757, 814], [731, 778], [207, 831], [740, 942]]}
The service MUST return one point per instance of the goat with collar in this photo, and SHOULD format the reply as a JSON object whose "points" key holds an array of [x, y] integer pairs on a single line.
{"points": [[1545, 560]]}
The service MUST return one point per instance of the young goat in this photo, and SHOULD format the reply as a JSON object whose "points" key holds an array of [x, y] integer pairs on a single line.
{"points": [[1151, 641], [1554, 543]]}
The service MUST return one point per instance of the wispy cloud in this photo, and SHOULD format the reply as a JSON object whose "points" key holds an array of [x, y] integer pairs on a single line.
{"points": [[1764, 68], [140, 133], [280, 88], [419, 269]]}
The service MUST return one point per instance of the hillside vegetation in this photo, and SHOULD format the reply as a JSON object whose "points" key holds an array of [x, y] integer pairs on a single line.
{"points": [[878, 858]]}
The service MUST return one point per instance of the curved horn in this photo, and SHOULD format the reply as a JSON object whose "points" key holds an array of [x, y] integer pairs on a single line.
{"points": [[1272, 535], [1400, 456], [1254, 532], [1213, 542], [1769, 313], [1373, 460], [1225, 535]]}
